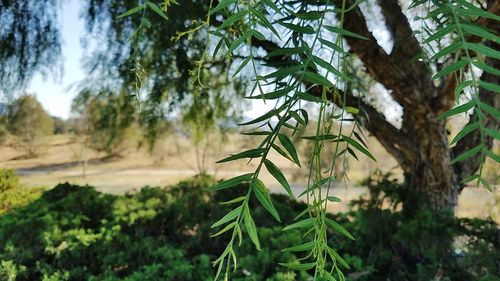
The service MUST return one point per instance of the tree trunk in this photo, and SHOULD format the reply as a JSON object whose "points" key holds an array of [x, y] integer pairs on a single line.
{"points": [[430, 172]]}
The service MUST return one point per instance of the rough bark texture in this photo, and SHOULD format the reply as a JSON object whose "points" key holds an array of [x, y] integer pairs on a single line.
{"points": [[421, 146]]}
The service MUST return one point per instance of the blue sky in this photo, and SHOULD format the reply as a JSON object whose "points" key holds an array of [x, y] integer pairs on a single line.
{"points": [[55, 94]]}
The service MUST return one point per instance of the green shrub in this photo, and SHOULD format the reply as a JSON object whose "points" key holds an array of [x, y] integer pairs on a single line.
{"points": [[8, 180], [76, 233], [12, 193]]}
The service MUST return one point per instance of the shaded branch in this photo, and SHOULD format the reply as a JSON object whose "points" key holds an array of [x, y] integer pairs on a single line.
{"points": [[406, 48]]}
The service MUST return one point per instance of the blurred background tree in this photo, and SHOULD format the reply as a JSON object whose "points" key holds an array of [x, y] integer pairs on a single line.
{"points": [[30, 123]]}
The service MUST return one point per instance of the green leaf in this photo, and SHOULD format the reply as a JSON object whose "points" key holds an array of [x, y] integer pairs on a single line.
{"points": [[490, 109], [467, 154], [480, 31], [321, 137], [297, 28], [459, 109], [300, 248], [273, 6], [475, 12], [235, 200], [305, 223], [242, 65], [262, 195], [231, 182], [262, 20], [333, 199], [285, 71], [337, 257], [486, 185], [222, 4], [287, 51], [451, 49], [358, 146], [156, 9], [228, 217], [440, 33], [256, 133], [232, 19], [338, 228], [493, 133], [278, 175], [344, 32], [308, 97], [317, 79], [273, 95], [131, 11], [460, 87], [225, 229], [329, 276], [281, 151], [493, 156], [483, 50], [297, 118], [489, 86], [310, 15], [481, 65], [250, 226], [238, 42], [299, 266], [265, 116], [319, 61], [465, 131], [332, 46], [251, 153], [257, 34], [451, 68], [290, 148]]}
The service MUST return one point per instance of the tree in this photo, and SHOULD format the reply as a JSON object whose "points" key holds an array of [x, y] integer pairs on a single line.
{"points": [[103, 119], [30, 123], [326, 52]]}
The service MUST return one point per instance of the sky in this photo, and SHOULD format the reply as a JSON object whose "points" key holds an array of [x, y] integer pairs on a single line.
{"points": [[55, 94]]}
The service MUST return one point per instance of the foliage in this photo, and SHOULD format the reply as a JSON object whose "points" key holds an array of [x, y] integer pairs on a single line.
{"points": [[77, 233], [12, 193], [30, 123], [103, 119], [20, 56]]}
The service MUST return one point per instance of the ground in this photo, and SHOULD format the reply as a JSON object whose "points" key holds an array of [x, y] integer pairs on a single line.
{"points": [[175, 159]]}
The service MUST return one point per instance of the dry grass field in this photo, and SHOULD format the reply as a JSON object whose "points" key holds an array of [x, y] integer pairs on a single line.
{"points": [[175, 159]]}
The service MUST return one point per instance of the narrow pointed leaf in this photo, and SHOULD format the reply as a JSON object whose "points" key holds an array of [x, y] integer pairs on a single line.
{"points": [[278, 175], [262, 195], [290, 148], [250, 227], [467, 154], [251, 153], [459, 109], [231, 182], [228, 217], [465, 131], [300, 248], [358, 146], [156, 9], [338, 228]]}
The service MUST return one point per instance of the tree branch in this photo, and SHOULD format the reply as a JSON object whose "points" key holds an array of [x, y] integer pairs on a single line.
{"points": [[394, 140], [406, 48]]}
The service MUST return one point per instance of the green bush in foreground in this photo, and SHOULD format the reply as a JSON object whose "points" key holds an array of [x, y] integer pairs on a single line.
{"points": [[76, 233]]}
